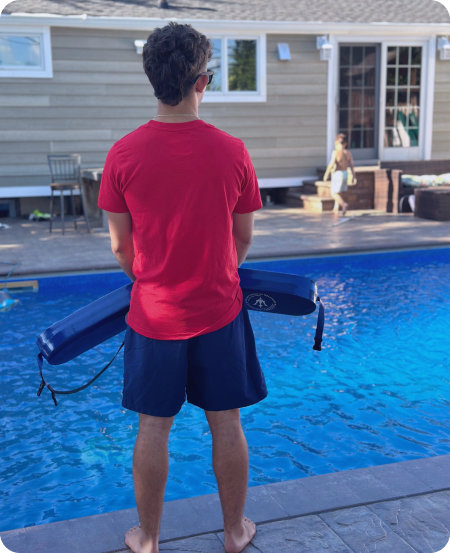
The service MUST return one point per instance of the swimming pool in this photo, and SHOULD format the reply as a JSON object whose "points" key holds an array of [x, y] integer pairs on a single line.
{"points": [[379, 392]]}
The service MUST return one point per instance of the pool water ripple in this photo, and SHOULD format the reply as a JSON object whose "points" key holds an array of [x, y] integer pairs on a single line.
{"points": [[377, 393]]}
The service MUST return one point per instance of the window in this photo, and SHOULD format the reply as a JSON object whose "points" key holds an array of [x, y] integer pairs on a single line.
{"points": [[25, 53], [239, 66], [403, 80]]}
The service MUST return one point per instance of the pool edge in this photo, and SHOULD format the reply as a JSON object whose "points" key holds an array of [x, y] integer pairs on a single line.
{"points": [[201, 515], [283, 256]]}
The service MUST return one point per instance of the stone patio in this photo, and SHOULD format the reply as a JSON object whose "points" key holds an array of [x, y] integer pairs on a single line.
{"points": [[396, 508], [279, 232]]}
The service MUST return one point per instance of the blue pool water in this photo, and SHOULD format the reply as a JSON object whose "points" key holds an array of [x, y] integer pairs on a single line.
{"points": [[378, 392]]}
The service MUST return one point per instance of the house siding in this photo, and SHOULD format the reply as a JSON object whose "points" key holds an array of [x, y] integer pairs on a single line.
{"points": [[99, 93], [441, 119]]}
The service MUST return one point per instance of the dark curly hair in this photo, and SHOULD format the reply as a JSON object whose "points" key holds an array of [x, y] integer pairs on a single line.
{"points": [[173, 56]]}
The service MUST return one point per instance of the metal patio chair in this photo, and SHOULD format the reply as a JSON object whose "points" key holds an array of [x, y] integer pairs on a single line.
{"points": [[66, 175]]}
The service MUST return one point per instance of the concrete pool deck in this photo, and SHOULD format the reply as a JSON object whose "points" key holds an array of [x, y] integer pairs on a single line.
{"points": [[396, 508], [279, 232]]}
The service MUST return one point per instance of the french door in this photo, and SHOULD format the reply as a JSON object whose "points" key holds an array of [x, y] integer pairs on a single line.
{"points": [[380, 99], [358, 105], [403, 120]]}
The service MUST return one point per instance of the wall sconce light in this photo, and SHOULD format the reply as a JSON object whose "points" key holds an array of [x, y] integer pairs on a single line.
{"points": [[140, 46], [284, 53], [326, 49], [444, 47]]}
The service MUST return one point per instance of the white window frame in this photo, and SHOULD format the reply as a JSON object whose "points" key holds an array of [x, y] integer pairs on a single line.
{"points": [[224, 95], [423, 151], [45, 72]]}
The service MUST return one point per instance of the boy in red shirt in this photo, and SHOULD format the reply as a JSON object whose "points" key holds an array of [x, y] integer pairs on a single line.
{"points": [[180, 196]]}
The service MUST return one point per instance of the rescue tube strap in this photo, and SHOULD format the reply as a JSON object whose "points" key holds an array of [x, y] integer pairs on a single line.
{"points": [[319, 329], [43, 384]]}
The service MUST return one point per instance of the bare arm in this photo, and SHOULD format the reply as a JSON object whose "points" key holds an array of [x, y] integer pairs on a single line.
{"points": [[120, 230], [352, 167], [330, 166], [243, 234]]}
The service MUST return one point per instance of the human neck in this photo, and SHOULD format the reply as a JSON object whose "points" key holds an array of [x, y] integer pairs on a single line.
{"points": [[185, 111]]}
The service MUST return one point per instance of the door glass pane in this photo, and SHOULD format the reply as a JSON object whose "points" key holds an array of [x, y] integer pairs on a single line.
{"points": [[391, 76], [370, 76], [368, 138], [369, 98], [390, 98], [416, 55], [345, 78], [215, 63], [403, 55], [242, 65], [20, 51], [344, 118], [371, 56], [355, 139], [403, 96], [356, 97], [344, 98], [392, 55], [345, 56], [415, 76], [357, 55], [390, 117], [369, 118], [403, 76], [357, 94]]}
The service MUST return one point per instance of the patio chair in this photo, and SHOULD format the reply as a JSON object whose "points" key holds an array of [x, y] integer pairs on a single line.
{"points": [[65, 171]]}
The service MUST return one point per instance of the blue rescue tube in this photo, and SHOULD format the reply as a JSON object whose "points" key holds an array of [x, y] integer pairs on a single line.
{"points": [[104, 318], [86, 328]]}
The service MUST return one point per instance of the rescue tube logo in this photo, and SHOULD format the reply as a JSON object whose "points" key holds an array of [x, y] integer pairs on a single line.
{"points": [[445, 550], [445, 3], [4, 549], [260, 302]]}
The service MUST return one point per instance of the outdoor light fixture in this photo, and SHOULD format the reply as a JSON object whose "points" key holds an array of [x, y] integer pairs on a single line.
{"points": [[444, 48], [325, 48], [284, 52], [140, 46]]}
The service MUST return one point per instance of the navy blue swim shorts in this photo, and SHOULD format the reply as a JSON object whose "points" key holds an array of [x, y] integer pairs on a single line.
{"points": [[215, 371]]}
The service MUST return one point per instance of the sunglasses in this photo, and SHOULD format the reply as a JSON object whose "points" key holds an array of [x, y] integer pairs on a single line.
{"points": [[209, 73]]}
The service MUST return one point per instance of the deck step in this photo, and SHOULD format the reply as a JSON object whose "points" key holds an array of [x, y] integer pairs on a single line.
{"points": [[310, 202], [323, 189]]}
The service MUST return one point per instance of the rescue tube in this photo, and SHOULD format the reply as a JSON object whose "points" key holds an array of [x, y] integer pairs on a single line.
{"points": [[263, 291]]}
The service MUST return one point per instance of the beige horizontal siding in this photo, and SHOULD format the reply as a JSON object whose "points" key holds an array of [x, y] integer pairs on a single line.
{"points": [[441, 120], [99, 93]]}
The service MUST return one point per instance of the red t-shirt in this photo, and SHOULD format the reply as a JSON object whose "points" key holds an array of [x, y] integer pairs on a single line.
{"points": [[181, 183]]}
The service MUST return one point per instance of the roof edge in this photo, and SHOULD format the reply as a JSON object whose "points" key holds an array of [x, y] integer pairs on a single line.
{"points": [[236, 26]]}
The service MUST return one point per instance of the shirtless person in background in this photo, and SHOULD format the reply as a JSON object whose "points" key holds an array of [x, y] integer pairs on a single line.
{"points": [[341, 159]]}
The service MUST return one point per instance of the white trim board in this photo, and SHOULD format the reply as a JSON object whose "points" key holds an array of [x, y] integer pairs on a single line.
{"points": [[227, 26], [45, 191], [283, 182], [30, 192]]}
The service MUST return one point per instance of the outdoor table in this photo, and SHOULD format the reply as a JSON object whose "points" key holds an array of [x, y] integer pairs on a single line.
{"points": [[91, 181], [433, 203]]}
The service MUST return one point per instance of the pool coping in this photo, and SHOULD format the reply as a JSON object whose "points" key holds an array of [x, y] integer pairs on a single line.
{"points": [[201, 515], [105, 268]]}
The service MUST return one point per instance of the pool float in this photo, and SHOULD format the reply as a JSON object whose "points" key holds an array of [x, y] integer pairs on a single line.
{"points": [[264, 291]]}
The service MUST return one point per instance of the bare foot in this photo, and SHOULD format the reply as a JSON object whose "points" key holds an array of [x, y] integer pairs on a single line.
{"points": [[344, 209], [236, 541], [138, 543]]}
